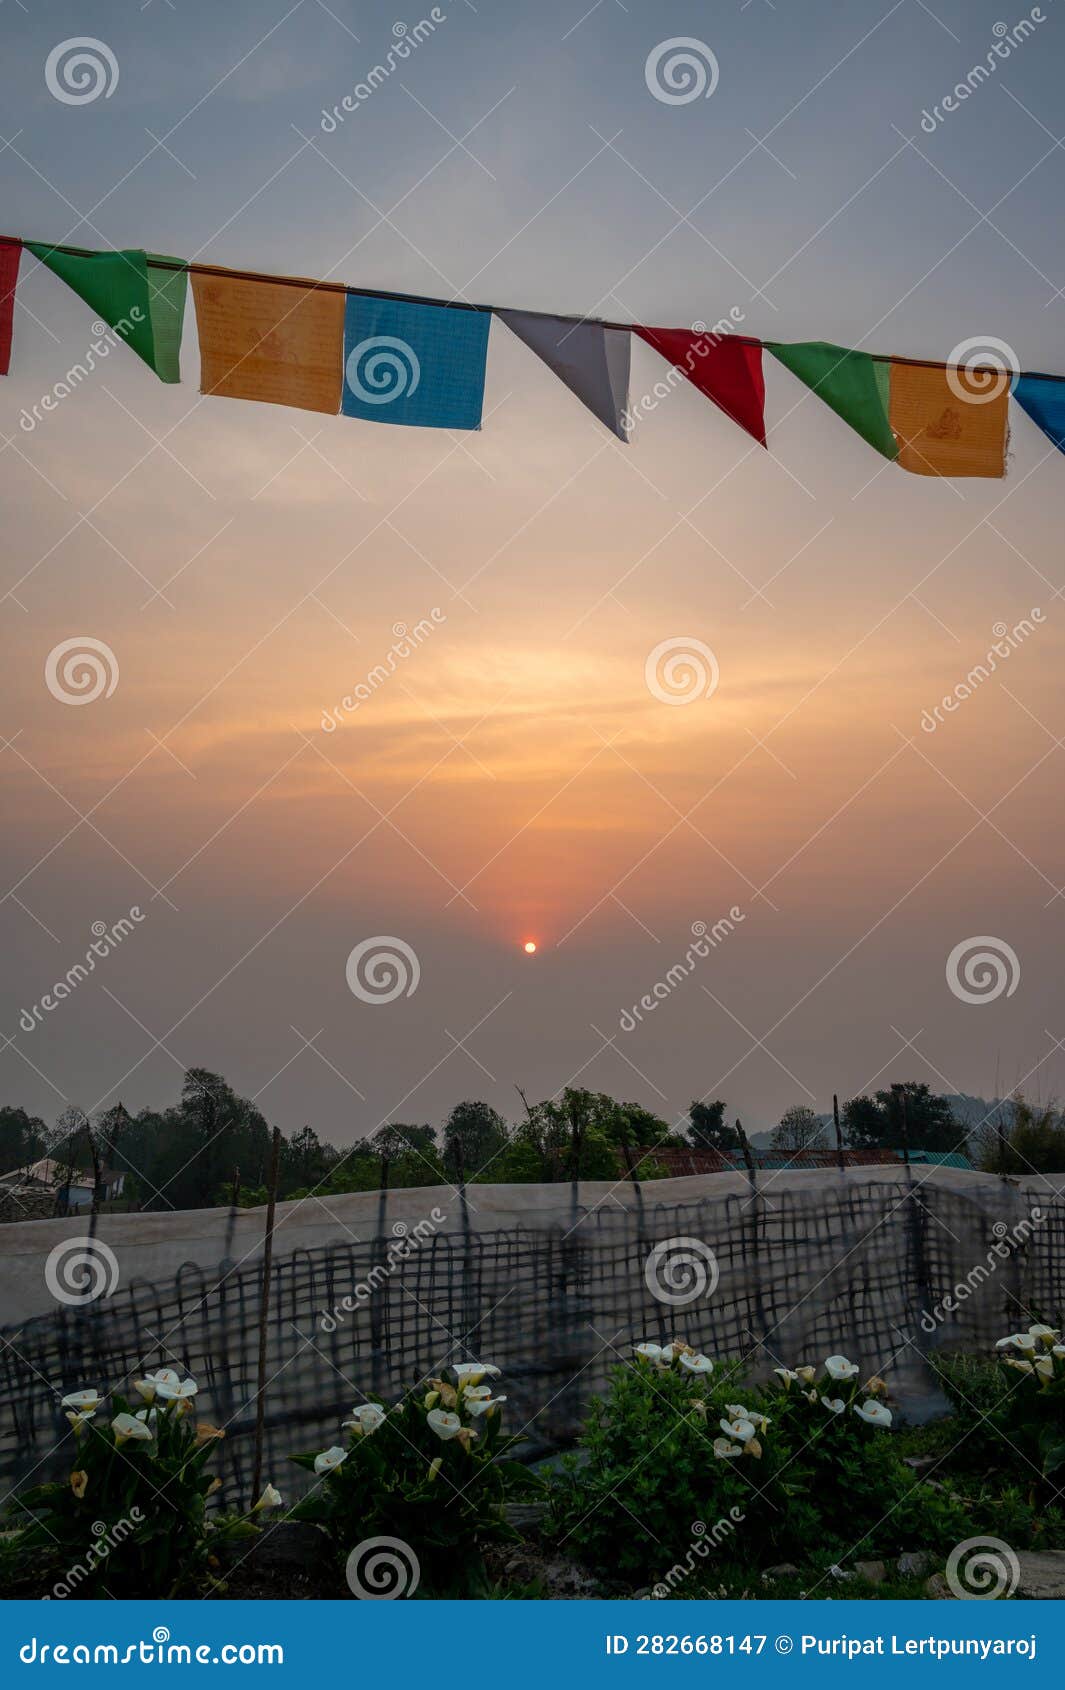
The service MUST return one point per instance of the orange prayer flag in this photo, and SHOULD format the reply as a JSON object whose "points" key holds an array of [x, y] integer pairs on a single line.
{"points": [[270, 341], [942, 429]]}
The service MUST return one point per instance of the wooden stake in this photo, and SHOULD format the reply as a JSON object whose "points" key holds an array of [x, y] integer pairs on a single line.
{"points": [[264, 1310]]}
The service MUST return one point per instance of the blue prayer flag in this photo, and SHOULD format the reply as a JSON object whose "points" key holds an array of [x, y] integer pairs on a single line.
{"points": [[422, 365], [1044, 400]]}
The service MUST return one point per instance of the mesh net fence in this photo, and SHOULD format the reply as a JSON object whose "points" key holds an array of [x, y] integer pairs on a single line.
{"points": [[884, 1271]]}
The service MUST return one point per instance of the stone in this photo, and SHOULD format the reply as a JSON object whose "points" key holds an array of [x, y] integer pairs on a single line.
{"points": [[873, 1572], [938, 1589], [914, 1563], [1042, 1574]]}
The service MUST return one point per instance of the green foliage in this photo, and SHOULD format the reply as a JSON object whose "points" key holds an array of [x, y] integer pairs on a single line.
{"points": [[1032, 1143], [22, 1139], [1032, 1415], [707, 1129], [434, 1471], [131, 1520], [798, 1129], [747, 1475], [473, 1136], [908, 1109], [646, 1471]]}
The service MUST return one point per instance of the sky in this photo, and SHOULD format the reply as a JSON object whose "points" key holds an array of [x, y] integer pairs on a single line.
{"points": [[520, 776]]}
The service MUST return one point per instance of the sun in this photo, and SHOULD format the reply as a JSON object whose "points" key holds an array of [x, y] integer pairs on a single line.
{"points": [[529, 947]]}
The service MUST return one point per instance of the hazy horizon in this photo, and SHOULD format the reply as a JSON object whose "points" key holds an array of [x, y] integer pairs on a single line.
{"points": [[517, 779]]}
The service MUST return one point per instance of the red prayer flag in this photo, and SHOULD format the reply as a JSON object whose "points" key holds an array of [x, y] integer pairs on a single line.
{"points": [[10, 253], [727, 370]]}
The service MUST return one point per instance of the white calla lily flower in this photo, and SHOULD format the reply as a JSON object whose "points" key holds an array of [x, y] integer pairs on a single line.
{"points": [[873, 1413], [740, 1429], [484, 1405], [270, 1498], [126, 1426], [656, 1355], [82, 1402], [788, 1374], [365, 1418], [1017, 1341], [696, 1364], [162, 1376], [330, 1459], [726, 1450], [838, 1367], [472, 1372], [835, 1405], [445, 1424], [174, 1390]]}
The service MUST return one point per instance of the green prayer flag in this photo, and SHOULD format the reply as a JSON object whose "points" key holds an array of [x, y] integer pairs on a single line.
{"points": [[855, 385], [143, 304], [166, 302]]}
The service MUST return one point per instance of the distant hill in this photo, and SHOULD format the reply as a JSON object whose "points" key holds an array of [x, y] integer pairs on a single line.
{"points": [[973, 1112]]}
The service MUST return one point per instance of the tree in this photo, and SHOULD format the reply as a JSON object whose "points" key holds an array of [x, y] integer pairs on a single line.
{"points": [[305, 1161], [194, 1148], [1033, 1142], [798, 1129], [75, 1150], [23, 1139], [112, 1130], [407, 1155], [707, 1129], [907, 1112], [473, 1134]]}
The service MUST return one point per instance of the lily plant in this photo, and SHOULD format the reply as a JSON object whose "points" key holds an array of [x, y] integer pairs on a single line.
{"points": [[434, 1470]]}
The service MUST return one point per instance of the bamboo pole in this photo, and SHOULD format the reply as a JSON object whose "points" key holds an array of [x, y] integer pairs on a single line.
{"points": [[264, 1310]]}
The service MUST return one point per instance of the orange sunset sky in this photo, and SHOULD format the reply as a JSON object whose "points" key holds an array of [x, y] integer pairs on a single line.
{"points": [[516, 777]]}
